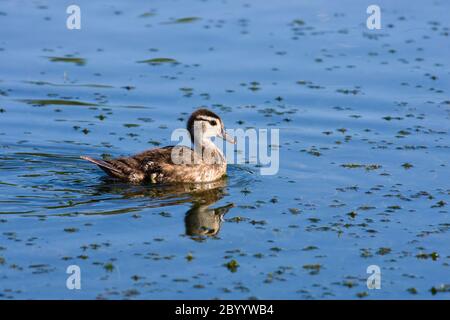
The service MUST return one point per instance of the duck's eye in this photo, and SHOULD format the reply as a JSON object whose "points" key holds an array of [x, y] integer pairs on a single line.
{"points": [[213, 122]]}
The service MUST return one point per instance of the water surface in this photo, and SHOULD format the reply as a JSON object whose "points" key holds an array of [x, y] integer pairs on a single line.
{"points": [[364, 149]]}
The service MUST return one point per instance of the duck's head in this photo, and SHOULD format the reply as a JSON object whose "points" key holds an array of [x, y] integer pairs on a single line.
{"points": [[204, 124]]}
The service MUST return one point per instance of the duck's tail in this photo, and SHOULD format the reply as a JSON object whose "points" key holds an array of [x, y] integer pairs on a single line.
{"points": [[105, 166]]}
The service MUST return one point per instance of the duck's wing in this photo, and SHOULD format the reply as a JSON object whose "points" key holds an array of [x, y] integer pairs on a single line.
{"points": [[158, 155], [121, 168], [155, 165], [169, 164]]}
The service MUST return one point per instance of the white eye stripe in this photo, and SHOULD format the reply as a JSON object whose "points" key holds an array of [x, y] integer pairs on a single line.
{"points": [[206, 118], [212, 121]]}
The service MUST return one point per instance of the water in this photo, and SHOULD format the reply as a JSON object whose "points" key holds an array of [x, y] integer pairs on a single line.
{"points": [[364, 149]]}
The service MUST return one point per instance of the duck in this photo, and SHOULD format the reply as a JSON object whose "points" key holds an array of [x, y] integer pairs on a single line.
{"points": [[203, 163]]}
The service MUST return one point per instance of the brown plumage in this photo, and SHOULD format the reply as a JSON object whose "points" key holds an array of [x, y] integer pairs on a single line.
{"points": [[170, 164]]}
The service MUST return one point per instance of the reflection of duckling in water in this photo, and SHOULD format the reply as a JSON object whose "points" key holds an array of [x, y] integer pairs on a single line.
{"points": [[200, 220]]}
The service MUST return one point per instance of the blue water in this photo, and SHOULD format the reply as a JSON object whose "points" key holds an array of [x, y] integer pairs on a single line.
{"points": [[364, 149]]}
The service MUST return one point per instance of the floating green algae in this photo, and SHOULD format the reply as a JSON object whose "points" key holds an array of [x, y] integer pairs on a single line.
{"points": [[368, 167], [57, 102], [159, 61], [75, 60], [232, 265], [88, 85], [147, 14], [184, 20]]}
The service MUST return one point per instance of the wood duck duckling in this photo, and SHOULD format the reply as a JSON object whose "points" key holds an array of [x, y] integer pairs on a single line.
{"points": [[204, 163]]}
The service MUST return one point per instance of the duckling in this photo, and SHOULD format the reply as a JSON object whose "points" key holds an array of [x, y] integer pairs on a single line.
{"points": [[171, 164]]}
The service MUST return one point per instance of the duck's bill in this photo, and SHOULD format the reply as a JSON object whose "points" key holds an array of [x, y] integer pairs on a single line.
{"points": [[228, 138]]}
